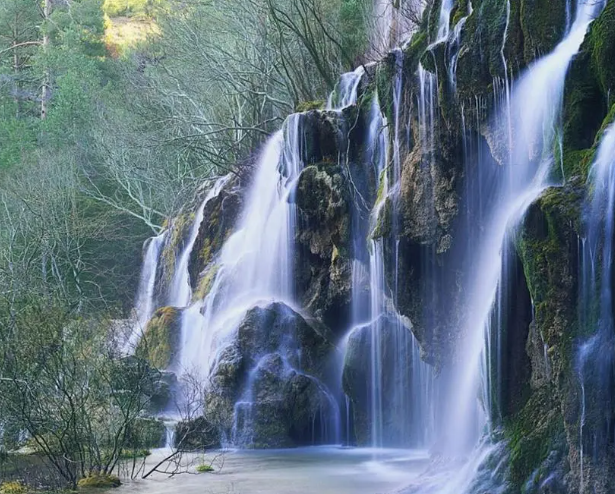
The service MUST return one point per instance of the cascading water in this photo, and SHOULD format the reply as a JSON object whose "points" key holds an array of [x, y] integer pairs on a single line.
{"points": [[345, 92], [253, 268], [400, 384], [596, 364], [534, 113], [145, 303], [540, 90], [444, 20], [254, 263]]}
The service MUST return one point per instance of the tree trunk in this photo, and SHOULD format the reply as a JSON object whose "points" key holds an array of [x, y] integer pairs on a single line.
{"points": [[45, 89]]}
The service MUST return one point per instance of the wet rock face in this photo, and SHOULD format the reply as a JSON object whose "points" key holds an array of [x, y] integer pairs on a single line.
{"points": [[219, 221], [322, 262], [265, 388], [551, 419], [391, 341], [288, 408]]}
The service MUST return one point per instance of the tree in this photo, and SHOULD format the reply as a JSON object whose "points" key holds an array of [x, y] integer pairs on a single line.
{"points": [[64, 383]]}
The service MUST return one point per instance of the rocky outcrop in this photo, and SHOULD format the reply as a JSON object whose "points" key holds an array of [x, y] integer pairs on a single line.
{"points": [[219, 221], [548, 247], [323, 264], [160, 342], [266, 385], [285, 408]]}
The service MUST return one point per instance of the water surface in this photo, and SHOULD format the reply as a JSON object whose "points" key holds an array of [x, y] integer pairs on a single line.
{"points": [[317, 470]]}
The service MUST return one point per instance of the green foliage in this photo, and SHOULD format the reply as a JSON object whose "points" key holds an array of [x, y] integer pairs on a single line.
{"points": [[204, 469], [66, 385], [353, 27], [116, 8], [13, 488]]}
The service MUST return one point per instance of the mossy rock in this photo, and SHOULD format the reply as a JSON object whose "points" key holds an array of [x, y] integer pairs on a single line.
{"points": [[602, 39], [197, 435], [179, 227], [414, 51], [309, 106], [145, 433], [543, 23], [323, 280], [533, 434], [590, 83], [99, 481], [159, 344], [220, 217]]}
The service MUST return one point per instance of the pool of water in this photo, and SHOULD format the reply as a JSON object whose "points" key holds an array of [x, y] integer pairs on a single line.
{"points": [[317, 470]]}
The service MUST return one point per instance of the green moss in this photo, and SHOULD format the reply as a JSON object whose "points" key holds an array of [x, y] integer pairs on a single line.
{"points": [[206, 282], [542, 239], [384, 75], [384, 220], [179, 228], [543, 23], [204, 469], [460, 11], [413, 53], [309, 105], [602, 36], [533, 434], [577, 162], [101, 481], [433, 20], [159, 339], [480, 60]]}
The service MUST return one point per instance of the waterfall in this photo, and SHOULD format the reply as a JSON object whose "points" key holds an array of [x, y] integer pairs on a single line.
{"points": [[444, 20], [596, 355], [181, 291], [400, 384], [253, 268], [255, 263], [145, 303], [535, 107], [345, 92]]}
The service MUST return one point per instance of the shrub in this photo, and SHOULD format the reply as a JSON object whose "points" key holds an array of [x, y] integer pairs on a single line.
{"points": [[13, 488]]}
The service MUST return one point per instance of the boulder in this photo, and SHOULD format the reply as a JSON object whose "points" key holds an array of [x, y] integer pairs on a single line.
{"points": [[284, 408], [275, 360], [197, 434]]}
